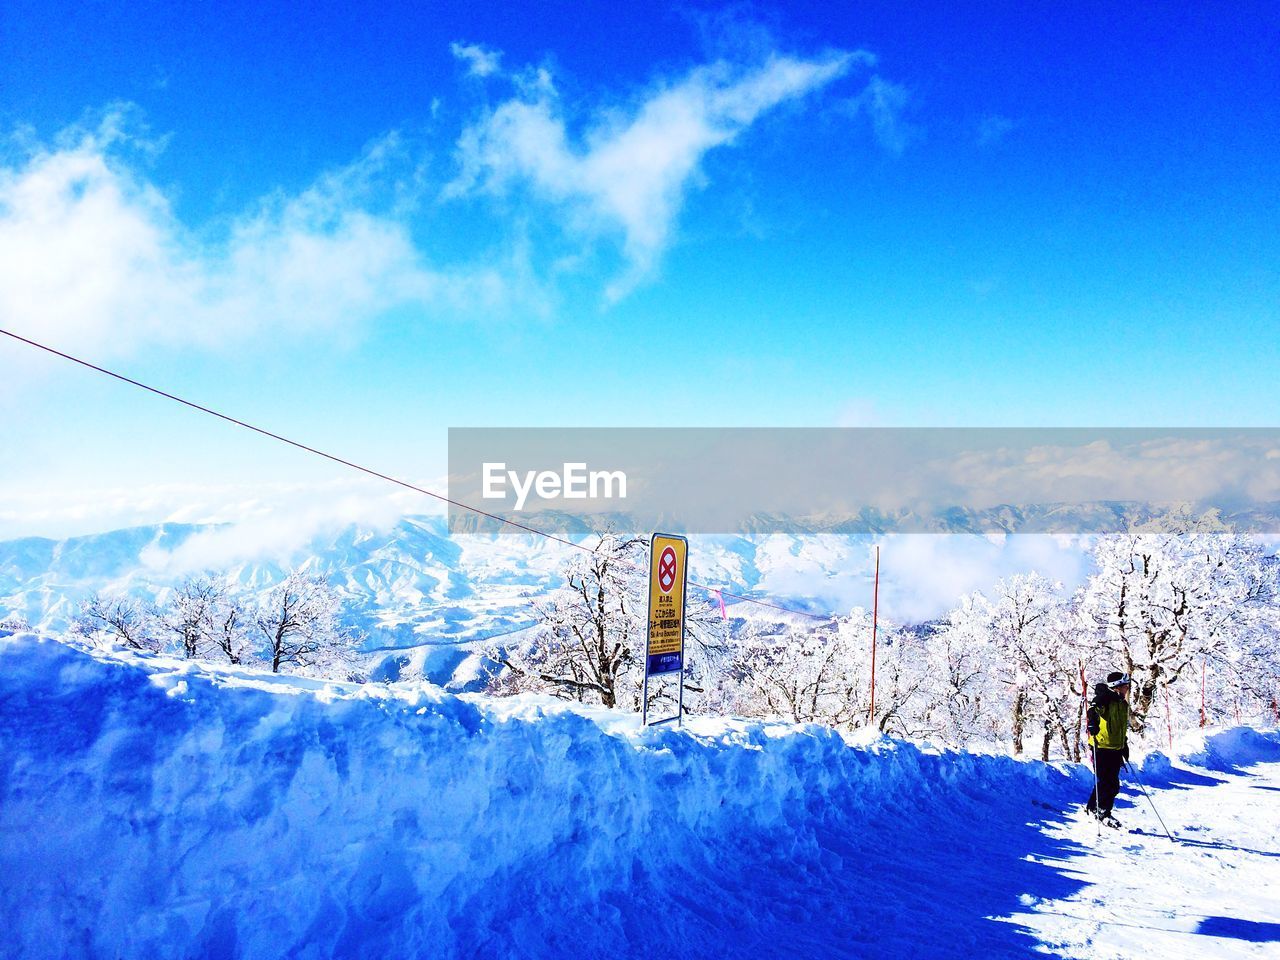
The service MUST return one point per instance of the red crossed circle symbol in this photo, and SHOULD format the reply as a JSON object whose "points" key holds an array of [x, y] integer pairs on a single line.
{"points": [[667, 569]]}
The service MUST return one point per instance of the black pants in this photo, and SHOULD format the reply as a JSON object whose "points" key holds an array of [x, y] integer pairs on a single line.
{"points": [[1107, 763]]}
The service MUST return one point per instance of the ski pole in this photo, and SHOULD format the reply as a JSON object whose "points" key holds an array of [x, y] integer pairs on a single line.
{"points": [[1142, 787], [1093, 762]]}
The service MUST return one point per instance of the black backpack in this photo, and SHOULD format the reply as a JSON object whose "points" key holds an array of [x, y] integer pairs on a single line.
{"points": [[1101, 697]]}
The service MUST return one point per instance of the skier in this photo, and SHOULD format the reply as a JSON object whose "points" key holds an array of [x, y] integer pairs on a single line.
{"points": [[1108, 724]]}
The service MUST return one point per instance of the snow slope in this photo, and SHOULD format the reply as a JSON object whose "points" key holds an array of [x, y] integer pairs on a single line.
{"points": [[1214, 892], [160, 808]]}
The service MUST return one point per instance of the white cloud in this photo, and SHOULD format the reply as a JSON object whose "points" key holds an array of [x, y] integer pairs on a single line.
{"points": [[886, 104], [93, 255], [628, 174], [92, 252], [1168, 469], [993, 128], [277, 524], [480, 60], [261, 520], [923, 576], [859, 412]]}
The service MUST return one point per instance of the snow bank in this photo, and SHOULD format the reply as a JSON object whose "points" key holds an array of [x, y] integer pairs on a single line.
{"points": [[1218, 750], [462, 667], [1228, 750], [159, 808]]}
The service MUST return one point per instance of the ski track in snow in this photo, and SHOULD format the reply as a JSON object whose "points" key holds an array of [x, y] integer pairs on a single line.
{"points": [[151, 807]]}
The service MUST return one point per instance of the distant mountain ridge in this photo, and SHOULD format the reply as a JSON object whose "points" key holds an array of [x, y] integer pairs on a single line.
{"points": [[406, 585], [414, 583], [410, 584], [1091, 517]]}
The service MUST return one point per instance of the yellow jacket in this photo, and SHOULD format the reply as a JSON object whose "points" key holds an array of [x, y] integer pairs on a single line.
{"points": [[1108, 721]]}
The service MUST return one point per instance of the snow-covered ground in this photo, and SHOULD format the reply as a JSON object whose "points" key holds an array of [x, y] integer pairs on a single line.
{"points": [[1215, 892], [157, 808]]}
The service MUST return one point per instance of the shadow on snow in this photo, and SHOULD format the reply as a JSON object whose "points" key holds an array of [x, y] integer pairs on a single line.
{"points": [[1250, 930]]}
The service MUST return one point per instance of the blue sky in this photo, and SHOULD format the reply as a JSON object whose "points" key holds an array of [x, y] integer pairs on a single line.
{"points": [[364, 227]]}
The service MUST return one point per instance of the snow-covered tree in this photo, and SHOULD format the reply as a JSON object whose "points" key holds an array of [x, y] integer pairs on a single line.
{"points": [[590, 642], [802, 672], [1061, 689], [1006, 668], [591, 631], [121, 620], [965, 696], [1241, 676], [231, 629], [820, 672], [1163, 604], [298, 620], [1032, 631], [188, 616], [902, 675], [708, 652]]}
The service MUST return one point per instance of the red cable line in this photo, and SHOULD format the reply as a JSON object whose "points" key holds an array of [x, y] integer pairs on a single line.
{"points": [[367, 470]]}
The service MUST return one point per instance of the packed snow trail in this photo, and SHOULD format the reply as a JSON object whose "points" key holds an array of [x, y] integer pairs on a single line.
{"points": [[161, 808], [1213, 892]]}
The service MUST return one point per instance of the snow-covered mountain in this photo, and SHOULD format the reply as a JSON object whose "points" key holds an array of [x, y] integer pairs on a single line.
{"points": [[415, 583], [405, 585], [411, 584]]}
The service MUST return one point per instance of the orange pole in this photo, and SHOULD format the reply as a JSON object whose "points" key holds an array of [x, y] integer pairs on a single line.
{"points": [[1083, 730], [875, 617], [1204, 719]]}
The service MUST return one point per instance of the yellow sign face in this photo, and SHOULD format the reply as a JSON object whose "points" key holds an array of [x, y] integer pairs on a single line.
{"points": [[668, 562]]}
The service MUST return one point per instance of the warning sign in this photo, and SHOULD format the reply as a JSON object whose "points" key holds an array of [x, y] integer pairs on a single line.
{"points": [[668, 562]]}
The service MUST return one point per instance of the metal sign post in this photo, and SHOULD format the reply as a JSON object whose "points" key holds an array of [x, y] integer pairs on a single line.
{"points": [[875, 619], [664, 639]]}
